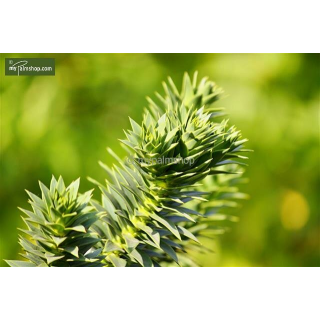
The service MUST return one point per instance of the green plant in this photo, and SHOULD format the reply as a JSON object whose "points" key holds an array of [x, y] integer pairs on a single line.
{"points": [[59, 227], [153, 207]]}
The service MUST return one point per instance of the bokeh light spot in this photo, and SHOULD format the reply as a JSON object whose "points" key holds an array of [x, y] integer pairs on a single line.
{"points": [[294, 210]]}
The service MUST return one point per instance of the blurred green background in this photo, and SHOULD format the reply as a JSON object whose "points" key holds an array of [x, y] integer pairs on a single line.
{"points": [[62, 124]]}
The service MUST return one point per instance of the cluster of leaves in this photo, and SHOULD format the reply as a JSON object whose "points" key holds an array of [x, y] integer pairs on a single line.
{"points": [[59, 228], [151, 212]]}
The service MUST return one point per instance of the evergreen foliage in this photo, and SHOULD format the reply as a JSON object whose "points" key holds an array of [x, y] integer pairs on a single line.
{"points": [[181, 170], [58, 226]]}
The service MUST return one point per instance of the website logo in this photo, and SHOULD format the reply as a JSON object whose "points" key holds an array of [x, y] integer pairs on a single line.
{"points": [[29, 66]]}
